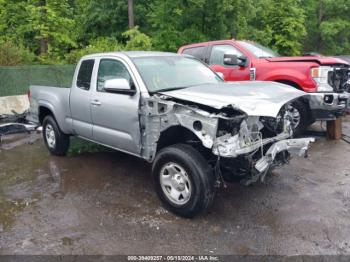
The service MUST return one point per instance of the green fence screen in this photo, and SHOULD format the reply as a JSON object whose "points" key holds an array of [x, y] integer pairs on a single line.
{"points": [[15, 80]]}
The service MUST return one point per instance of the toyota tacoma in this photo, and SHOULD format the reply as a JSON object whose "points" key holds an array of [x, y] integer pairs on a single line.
{"points": [[176, 113]]}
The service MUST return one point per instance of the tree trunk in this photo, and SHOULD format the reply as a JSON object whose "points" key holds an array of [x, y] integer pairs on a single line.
{"points": [[44, 46], [131, 13], [44, 42], [319, 43]]}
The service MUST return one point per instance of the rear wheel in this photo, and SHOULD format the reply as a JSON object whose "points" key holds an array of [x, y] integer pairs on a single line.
{"points": [[184, 181], [55, 140]]}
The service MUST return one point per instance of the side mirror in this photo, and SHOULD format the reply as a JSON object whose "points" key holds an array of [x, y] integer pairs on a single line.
{"points": [[234, 60], [118, 85]]}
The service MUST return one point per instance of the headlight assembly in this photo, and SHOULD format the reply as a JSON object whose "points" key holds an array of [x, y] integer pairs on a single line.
{"points": [[320, 76]]}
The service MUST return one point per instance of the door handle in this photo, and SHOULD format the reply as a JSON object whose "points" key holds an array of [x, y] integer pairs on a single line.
{"points": [[96, 103]]}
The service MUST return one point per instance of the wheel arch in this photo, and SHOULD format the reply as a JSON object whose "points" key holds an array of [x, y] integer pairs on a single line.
{"points": [[179, 134], [289, 82], [44, 111]]}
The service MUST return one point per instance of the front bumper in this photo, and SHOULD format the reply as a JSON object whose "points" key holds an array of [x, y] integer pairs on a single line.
{"points": [[298, 147], [328, 106]]}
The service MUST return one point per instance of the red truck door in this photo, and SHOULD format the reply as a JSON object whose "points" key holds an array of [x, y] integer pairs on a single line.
{"points": [[231, 73]]}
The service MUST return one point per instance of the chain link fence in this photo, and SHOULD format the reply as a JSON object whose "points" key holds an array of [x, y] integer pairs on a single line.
{"points": [[15, 80]]}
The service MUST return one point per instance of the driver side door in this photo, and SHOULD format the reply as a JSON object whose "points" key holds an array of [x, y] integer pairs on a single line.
{"points": [[115, 114]]}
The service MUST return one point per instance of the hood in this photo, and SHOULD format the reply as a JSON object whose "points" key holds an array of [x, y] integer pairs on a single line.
{"points": [[322, 60], [255, 98]]}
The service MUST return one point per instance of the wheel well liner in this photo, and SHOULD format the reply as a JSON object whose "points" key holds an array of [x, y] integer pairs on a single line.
{"points": [[175, 135], [43, 112]]}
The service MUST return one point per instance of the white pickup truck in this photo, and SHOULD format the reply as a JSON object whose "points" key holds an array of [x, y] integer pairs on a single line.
{"points": [[175, 112]]}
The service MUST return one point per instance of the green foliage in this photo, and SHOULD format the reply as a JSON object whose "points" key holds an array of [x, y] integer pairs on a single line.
{"points": [[174, 23], [279, 24], [98, 45], [79, 146], [328, 24], [52, 20], [137, 40], [11, 55], [106, 18], [14, 21], [287, 23], [43, 26], [60, 31]]}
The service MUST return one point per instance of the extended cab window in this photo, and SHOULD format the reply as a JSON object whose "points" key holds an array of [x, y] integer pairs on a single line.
{"points": [[111, 69], [198, 52], [85, 73], [218, 52]]}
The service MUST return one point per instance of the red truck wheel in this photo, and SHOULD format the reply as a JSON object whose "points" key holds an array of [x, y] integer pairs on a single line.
{"points": [[299, 116]]}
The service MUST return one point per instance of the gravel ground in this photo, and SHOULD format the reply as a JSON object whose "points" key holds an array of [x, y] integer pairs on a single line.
{"points": [[104, 203]]}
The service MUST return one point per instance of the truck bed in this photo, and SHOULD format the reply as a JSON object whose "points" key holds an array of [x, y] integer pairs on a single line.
{"points": [[54, 98]]}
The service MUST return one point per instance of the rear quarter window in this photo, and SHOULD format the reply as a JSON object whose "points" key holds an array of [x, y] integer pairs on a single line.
{"points": [[85, 74]]}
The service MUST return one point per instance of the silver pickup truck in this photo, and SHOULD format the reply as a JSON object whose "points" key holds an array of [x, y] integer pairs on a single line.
{"points": [[175, 112]]}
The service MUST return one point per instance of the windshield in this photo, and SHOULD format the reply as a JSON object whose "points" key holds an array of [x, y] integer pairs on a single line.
{"points": [[165, 73], [258, 50]]}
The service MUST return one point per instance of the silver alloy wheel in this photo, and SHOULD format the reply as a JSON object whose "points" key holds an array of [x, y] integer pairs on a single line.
{"points": [[295, 115], [175, 183], [50, 136]]}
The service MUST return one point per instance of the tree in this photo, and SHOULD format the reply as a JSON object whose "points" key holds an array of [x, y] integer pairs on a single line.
{"points": [[98, 45], [137, 40], [328, 24], [53, 28], [14, 21], [52, 25], [174, 23], [279, 24], [11, 54], [43, 26]]}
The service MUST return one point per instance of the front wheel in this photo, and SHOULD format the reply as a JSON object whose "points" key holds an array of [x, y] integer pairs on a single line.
{"points": [[55, 140], [184, 181]]}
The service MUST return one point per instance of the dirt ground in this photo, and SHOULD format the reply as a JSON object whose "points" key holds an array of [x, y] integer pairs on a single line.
{"points": [[104, 203]]}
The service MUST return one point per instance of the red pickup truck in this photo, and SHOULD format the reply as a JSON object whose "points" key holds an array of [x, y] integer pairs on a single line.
{"points": [[327, 78]]}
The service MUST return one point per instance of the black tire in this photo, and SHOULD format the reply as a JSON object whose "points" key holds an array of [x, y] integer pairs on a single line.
{"points": [[61, 144], [199, 172], [304, 118]]}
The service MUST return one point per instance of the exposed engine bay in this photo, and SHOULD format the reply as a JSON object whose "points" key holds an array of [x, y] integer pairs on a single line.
{"points": [[237, 145]]}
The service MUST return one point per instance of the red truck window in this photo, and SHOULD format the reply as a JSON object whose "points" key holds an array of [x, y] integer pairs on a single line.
{"points": [[218, 51], [198, 52]]}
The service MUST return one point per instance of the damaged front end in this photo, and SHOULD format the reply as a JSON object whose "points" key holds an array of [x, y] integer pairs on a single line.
{"points": [[262, 144], [332, 98], [240, 147]]}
